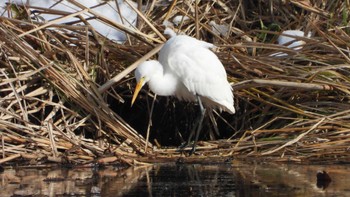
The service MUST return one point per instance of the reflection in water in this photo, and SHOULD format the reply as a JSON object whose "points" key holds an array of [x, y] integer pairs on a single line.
{"points": [[236, 179], [323, 179], [192, 180]]}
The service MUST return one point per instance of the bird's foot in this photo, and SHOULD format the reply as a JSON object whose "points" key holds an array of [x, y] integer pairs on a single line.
{"points": [[183, 148], [193, 149]]}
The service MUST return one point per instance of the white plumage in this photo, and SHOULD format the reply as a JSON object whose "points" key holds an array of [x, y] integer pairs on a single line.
{"points": [[187, 68], [288, 38], [109, 10], [294, 43]]}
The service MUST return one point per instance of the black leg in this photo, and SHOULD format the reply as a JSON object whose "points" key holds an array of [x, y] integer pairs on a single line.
{"points": [[199, 125], [193, 131], [196, 129]]}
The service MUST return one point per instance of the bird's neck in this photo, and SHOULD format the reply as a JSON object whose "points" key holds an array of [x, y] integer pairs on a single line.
{"points": [[163, 83]]}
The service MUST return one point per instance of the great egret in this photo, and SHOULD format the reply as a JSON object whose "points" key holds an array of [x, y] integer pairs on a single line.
{"points": [[189, 70], [109, 10], [288, 38]]}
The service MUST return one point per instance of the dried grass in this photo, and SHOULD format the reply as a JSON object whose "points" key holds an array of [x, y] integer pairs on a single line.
{"points": [[57, 85]]}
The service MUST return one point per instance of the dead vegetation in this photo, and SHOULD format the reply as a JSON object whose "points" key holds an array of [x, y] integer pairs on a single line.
{"points": [[64, 89]]}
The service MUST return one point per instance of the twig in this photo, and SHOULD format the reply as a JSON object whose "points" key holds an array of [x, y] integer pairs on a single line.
{"points": [[52, 22], [121, 75], [150, 122], [286, 84], [294, 140], [10, 158], [2, 145]]}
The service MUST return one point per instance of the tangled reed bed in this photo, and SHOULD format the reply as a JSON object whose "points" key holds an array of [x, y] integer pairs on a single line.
{"points": [[65, 90]]}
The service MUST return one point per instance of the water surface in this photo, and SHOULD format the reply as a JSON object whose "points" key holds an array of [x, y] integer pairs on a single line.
{"points": [[233, 179]]}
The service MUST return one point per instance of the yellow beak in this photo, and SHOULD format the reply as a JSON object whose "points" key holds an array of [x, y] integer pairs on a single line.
{"points": [[137, 90]]}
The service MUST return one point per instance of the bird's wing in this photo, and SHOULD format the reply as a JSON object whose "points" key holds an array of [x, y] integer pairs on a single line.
{"points": [[202, 73]]}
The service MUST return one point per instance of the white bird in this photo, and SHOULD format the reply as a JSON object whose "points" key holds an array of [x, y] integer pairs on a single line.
{"points": [[288, 38], [109, 10], [189, 70], [285, 38]]}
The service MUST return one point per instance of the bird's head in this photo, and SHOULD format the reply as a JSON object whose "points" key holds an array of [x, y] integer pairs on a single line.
{"points": [[143, 74]]}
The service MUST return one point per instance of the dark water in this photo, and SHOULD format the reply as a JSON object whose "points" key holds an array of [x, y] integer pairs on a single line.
{"points": [[235, 179]]}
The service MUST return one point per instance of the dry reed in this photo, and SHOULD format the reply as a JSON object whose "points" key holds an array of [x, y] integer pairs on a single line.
{"points": [[59, 81]]}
